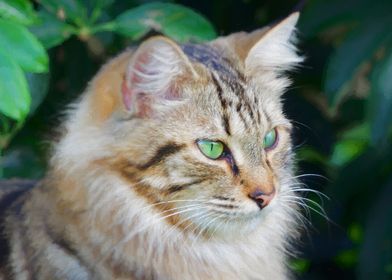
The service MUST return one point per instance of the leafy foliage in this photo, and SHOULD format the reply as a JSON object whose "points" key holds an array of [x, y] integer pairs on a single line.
{"points": [[342, 105], [56, 21]]}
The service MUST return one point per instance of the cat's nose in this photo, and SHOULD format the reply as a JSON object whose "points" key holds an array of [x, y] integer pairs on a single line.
{"points": [[262, 199]]}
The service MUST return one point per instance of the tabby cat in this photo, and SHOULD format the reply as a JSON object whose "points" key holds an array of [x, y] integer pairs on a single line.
{"points": [[176, 163]]}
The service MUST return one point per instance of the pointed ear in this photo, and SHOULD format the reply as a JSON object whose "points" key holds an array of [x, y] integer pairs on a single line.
{"points": [[275, 50], [152, 74], [241, 42]]}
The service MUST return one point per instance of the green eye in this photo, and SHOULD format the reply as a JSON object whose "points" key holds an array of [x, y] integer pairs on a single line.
{"points": [[211, 149], [270, 139]]}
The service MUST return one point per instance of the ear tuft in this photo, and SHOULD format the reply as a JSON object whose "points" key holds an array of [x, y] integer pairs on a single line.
{"points": [[152, 73], [276, 49]]}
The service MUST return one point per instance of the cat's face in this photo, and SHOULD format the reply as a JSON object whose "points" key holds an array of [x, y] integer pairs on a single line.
{"points": [[206, 143]]}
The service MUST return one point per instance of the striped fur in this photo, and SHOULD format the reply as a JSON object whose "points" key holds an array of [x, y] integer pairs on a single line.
{"points": [[130, 196]]}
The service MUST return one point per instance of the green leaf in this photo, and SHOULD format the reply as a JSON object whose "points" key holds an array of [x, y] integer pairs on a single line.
{"points": [[347, 258], [39, 85], [300, 265], [347, 150], [355, 232], [18, 42], [350, 145], [309, 154], [20, 11], [375, 256], [70, 10], [380, 105], [50, 30], [173, 20], [14, 93], [96, 8], [358, 47]]}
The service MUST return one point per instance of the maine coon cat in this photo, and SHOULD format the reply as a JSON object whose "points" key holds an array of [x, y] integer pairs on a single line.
{"points": [[176, 163]]}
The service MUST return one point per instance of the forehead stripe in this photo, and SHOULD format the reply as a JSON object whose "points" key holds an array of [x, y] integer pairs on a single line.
{"points": [[225, 117], [233, 80]]}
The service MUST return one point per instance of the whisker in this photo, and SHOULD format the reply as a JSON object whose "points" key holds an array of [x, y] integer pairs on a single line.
{"points": [[181, 222], [205, 227], [318, 193], [309, 175], [217, 226], [130, 235]]}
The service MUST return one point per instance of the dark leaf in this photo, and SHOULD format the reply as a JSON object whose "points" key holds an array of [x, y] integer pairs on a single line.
{"points": [[70, 10], [173, 20], [38, 84], [380, 105], [358, 47], [323, 14], [50, 30], [22, 162], [355, 178], [376, 249]]}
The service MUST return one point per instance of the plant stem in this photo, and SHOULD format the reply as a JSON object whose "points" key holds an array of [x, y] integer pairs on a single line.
{"points": [[107, 26]]}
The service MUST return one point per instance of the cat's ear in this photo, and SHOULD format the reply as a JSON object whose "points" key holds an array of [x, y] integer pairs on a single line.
{"points": [[152, 74], [275, 50]]}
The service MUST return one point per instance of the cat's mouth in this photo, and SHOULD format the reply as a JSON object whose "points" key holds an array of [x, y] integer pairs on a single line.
{"points": [[215, 217]]}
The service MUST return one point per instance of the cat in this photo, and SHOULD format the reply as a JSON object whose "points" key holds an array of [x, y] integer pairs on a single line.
{"points": [[176, 163]]}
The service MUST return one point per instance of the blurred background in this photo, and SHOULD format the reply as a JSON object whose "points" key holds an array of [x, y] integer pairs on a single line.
{"points": [[341, 102]]}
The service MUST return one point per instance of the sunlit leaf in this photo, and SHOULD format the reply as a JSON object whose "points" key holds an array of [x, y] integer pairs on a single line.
{"points": [[359, 46], [351, 144], [20, 11], [309, 154], [347, 258], [375, 256], [355, 232], [50, 30], [18, 42], [347, 150], [300, 265], [14, 93], [173, 20], [380, 105]]}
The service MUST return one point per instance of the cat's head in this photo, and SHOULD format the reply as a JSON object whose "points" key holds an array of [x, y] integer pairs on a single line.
{"points": [[198, 131]]}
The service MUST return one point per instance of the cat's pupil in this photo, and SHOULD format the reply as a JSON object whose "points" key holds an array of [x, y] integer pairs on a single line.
{"points": [[211, 149]]}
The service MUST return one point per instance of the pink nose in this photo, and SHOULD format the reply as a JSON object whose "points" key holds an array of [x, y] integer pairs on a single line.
{"points": [[261, 199]]}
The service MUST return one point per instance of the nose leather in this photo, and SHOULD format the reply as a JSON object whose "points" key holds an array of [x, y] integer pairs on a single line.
{"points": [[262, 199]]}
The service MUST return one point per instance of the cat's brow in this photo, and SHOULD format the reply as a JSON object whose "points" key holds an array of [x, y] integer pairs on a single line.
{"points": [[180, 187], [161, 153]]}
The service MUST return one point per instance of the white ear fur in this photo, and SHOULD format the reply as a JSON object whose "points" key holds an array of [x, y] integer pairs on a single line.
{"points": [[275, 50], [151, 73]]}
